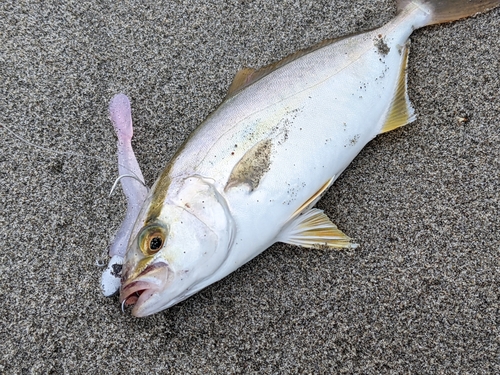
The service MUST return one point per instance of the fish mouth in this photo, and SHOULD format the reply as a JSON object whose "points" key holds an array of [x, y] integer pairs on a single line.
{"points": [[131, 294], [150, 281]]}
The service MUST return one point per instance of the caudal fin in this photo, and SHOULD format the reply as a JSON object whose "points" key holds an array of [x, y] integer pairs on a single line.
{"points": [[449, 10]]}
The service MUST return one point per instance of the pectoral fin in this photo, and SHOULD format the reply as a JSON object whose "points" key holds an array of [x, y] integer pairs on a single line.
{"points": [[313, 229]]}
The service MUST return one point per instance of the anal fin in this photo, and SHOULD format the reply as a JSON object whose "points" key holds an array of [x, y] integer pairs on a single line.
{"points": [[313, 229], [314, 198], [401, 111]]}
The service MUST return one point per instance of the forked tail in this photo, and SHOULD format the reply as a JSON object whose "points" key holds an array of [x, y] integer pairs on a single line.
{"points": [[440, 11]]}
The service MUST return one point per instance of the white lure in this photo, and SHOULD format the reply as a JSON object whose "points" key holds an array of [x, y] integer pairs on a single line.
{"points": [[251, 173]]}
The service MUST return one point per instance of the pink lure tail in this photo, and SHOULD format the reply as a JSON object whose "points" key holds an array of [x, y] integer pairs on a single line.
{"points": [[133, 186]]}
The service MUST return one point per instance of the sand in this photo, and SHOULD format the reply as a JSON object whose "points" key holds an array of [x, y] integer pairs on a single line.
{"points": [[420, 294]]}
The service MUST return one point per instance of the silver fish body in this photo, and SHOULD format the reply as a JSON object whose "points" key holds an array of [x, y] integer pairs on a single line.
{"points": [[250, 175]]}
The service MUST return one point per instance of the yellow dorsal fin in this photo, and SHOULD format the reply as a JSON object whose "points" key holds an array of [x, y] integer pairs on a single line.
{"points": [[400, 112], [246, 76], [314, 198], [313, 229]]}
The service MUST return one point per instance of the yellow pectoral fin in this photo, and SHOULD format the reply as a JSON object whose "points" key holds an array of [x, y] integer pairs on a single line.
{"points": [[313, 229], [401, 112]]}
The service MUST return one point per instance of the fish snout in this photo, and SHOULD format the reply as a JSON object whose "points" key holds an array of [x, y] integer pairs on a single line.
{"points": [[135, 290]]}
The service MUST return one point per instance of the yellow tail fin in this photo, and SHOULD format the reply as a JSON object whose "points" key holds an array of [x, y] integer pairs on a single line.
{"points": [[450, 10]]}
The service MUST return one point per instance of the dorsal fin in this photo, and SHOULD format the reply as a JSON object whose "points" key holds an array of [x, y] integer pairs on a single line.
{"points": [[401, 111], [240, 80], [247, 76]]}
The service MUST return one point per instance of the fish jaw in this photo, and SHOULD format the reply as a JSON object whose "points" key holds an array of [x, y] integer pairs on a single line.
{"points": [[142, 291]]}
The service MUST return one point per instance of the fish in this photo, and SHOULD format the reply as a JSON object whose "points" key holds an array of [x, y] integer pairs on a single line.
{"points": [[250, 175]]}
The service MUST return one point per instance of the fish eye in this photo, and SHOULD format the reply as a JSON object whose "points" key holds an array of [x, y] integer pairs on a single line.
{"points": [[155, 243], [151, 239]]}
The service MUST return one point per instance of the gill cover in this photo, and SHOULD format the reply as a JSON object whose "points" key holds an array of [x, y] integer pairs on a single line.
{"points": [[176, 250]]}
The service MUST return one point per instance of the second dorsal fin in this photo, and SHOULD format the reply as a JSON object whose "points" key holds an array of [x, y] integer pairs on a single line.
{"points": [[246, 76]]}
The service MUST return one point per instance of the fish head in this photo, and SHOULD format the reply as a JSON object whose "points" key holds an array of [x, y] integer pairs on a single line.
{"points": [[178, 247]]}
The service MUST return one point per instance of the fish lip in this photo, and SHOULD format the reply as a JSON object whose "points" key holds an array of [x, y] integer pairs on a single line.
{"points": [[138, 290]]}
